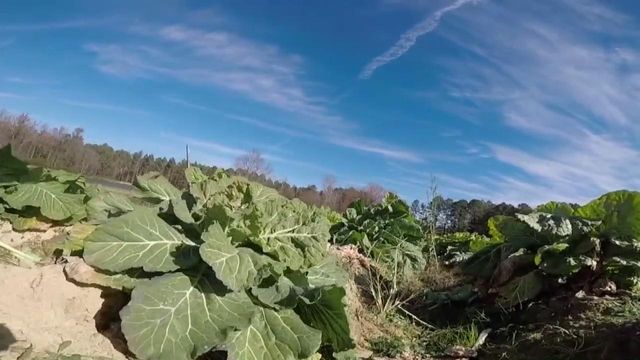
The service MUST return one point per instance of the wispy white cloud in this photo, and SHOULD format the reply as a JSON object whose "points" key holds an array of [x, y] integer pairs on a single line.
{"points": [[101, 106], [207, 144], [567, 98], [255, 70], [409, 38], [367, 145], [263, 124], [55, 25], [340, 139], [188, 104], [6, 42], [225, 60], [10, 95], [224, 155], [27, 81], [450, 133]]}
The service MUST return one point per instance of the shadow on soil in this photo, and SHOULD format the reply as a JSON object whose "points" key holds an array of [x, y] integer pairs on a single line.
{"points": [[108, 319], [6, 338]]}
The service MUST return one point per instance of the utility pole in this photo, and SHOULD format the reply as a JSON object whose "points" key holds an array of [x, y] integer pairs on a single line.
{"points": [[188, 163]]}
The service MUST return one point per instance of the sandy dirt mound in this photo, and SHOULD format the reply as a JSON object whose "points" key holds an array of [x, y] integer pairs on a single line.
{"points": [[363, 323], [20, 239], [40, 307]]}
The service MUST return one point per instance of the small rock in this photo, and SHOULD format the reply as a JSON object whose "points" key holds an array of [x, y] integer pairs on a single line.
{"points": [[604, 286], [460, 352]]}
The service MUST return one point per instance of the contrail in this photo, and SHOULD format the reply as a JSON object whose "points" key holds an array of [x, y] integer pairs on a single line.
{"points": [[408, 39]]}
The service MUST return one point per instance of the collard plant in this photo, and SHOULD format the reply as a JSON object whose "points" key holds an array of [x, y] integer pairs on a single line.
{"points": [[227, 265], [584, 246], [386, 232], [457, 247], [31, 198], [392, 238]]}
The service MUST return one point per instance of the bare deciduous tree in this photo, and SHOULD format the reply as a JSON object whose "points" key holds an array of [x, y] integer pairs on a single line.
{"points": [[375, 193], [329, 194], [61, 148], [253, 163]]}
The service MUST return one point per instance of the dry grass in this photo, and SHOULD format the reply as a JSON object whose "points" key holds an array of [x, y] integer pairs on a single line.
{"points": [[367, 325], [438, 278]]}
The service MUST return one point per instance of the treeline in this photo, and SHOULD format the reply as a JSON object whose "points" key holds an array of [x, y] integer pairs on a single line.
{"points": [[60, 148], [449, 216]]}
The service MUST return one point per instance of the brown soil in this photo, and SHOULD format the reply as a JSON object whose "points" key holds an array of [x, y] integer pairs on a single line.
{"points": [[40, 309], [40, 243]]}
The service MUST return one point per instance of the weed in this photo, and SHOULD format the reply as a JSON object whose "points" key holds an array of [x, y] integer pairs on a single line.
{"points": [[437, 341], [387, 346]]}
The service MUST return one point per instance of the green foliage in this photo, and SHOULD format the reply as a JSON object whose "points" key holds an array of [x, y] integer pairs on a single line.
{"points": [[510, 229], [458, 247], [228, 264], [387, 346], [619, 212], [546, 248], [438, 341], [520, 289], [387, 232], [31, 196], [244, 269], [556, 208]]}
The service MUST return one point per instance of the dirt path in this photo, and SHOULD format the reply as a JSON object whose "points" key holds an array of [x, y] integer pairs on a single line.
{"points": [[40, 307]]}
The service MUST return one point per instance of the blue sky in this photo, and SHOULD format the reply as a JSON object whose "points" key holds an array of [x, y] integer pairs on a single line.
{"points": [[505, 100]]}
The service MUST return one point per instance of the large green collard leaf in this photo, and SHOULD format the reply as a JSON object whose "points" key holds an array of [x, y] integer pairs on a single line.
{"points": [[77, 270], [327, 273], [512, 264], [29, 224], [49, 197], [260, 193], [562, 258], [137, 239], [398, 256], [201, 187], [328, 315], [104, 204], [625, 273], [157, 186], [194, 175], [282, 292], [556, 226], [626, 249], [619, 212], [275, 336], [75, 238], [237, 267], [65, 177], [508, 229], [289, 231], [484, 263], [556, 208], [180, 209], [457, 247], [179, 316], [521, 289]]}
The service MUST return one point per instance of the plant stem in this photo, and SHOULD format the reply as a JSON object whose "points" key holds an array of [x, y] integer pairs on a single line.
{"points": [[416, 318], [30, 258]]}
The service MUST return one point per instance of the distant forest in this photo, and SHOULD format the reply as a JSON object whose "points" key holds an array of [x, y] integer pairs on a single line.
{"points": [[62, 148]]}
